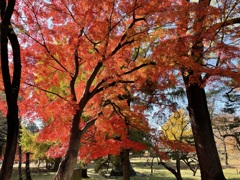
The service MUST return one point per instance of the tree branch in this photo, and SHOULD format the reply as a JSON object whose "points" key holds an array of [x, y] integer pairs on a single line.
{"points": [[47, 91], [75, 75], [88, 124]]}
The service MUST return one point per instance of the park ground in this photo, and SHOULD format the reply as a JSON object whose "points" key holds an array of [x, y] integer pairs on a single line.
{"points": [[143, 172]]}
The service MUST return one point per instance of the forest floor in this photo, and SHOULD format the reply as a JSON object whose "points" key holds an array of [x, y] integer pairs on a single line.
{"points": [[142, 168]]}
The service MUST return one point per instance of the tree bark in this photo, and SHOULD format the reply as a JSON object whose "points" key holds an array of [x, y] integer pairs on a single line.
{"points": [[56, 164], [69, 162], [11, 85], [19, 162], [125, 164], [84, 173], [27, 169], [178, 166], [11, 144], [209, 161]]}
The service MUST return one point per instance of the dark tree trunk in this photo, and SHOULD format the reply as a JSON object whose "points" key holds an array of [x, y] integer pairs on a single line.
{"points": [[11, 85], [121, 163], [27, 169], [209, 161], [56, 164], [125, 164], [11, 145], [20, 163], [225, 152], [150, 163], [84, 173], [178, 174]]}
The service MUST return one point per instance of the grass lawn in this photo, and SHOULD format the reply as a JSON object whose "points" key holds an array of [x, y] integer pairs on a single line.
{"points": [[143, 173]]}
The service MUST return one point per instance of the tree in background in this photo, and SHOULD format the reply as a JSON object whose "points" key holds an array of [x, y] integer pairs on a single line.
{"points": [[224, 108], [31, 147], [175, 142], [227, 128]]}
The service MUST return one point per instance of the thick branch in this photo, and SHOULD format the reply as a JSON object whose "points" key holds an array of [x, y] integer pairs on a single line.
{"points": [[75, 75], [92, 77], [139, 67], [88, 124], [232, 135], [122, 43], [167, 167], [98, 87], [95, 91]]}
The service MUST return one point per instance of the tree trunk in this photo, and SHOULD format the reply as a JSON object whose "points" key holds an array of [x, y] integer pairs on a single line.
{"points": [[209, 161], [150, 163], [12, 136], [119, 167], [69, 162], [27, 169], [178, 166], [56, 164], [11, 84], [84, 173], [19, 162], [125, 164], [225, 152]]}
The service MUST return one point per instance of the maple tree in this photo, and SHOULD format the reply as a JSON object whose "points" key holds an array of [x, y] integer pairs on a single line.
{"points": [[11, 74], [84, 58]]}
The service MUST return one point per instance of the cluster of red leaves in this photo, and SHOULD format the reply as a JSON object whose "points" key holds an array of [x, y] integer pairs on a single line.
{"points": [[177, 145]]}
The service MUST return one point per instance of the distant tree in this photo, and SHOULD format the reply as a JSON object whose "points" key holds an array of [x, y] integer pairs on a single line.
{"points": [[223, 104], [227, 129], [26, 142], [31, 146], [176, 142], [232, 105]]}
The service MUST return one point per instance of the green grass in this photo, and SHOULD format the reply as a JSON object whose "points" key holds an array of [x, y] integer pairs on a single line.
{"points": [[35, 175], [143, 173]]}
